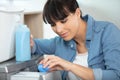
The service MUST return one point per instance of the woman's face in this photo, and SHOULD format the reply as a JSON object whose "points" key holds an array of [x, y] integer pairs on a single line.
{"points": [[68, 28]]}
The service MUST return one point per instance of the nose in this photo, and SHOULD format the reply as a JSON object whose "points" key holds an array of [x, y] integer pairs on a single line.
{"points": [[59, 28]]}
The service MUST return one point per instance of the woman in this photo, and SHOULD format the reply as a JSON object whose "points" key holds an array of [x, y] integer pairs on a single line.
{"points": [[85, 49]]}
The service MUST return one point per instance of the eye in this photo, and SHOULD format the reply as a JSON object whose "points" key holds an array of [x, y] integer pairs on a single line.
{"points": [[52, 25], [64, 20]]}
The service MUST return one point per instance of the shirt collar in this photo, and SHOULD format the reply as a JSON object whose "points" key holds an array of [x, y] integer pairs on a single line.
{"points": [[90, 24]]}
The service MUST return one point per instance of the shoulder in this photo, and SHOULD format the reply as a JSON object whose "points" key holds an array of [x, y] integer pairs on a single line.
{"points": [[98, 26], [61, 41], [57, 39], [109, 31], [104, 25]]}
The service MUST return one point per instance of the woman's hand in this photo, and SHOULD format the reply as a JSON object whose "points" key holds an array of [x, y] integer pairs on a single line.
{"points": [[56, 63]]}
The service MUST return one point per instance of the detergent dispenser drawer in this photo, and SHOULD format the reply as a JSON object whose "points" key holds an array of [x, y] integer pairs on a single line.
{"points": [[37, 76]]}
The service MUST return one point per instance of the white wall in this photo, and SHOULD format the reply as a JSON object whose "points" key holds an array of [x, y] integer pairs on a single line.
{"points": [[108, 10], [27, 5]]}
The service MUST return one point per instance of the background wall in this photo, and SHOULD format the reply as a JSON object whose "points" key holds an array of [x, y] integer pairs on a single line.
{"points": [[107, 10], [27, 5]]}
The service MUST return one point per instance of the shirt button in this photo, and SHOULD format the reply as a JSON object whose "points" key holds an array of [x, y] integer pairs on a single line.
{"points": [[71, 45]]}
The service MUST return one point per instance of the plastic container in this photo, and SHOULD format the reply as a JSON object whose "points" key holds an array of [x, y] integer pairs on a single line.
{"points": [[23, 52]]}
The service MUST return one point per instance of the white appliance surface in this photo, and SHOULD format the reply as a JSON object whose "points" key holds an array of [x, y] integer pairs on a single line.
{"points": [[8, 23]]}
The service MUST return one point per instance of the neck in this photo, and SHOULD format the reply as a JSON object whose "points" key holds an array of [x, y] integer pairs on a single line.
{"points": [[80, 37]]}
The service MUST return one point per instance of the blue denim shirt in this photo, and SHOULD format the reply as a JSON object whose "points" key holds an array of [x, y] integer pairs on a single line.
{"points": [[103, 44]]}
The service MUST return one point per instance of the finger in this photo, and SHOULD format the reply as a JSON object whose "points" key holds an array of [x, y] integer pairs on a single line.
{"points": [[47, 58], [55, 68], [31, 36], [41, 62], [49, 62], [53, 64], [31, 41]]}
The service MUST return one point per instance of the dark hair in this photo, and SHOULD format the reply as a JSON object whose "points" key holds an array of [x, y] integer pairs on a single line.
{"points": [[55, 10]]}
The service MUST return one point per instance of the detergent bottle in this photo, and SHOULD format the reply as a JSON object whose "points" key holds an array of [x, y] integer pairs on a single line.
{"points": [[23, 51]]}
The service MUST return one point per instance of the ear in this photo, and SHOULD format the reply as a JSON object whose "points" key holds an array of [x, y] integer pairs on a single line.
{"points": [[77, 12]]}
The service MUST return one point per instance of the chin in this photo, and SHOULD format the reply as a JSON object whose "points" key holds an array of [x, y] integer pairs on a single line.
{"points": [[67, 39]]}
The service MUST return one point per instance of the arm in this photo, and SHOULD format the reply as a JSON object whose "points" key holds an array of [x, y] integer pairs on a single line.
{"points": [[43, 46], [56, 63], [111, 50], [83, 72]]}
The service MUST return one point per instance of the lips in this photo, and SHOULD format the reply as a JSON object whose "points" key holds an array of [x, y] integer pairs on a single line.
{"points": [[64, 35]]}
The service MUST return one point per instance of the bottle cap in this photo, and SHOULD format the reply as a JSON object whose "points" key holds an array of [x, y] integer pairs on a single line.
{"points": [[42, 69]]}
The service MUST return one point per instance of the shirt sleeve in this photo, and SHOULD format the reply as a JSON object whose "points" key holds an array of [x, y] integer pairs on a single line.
{"points": [[111, 51], [97, 74], [100, 74], [33, 49], [44, 46]]}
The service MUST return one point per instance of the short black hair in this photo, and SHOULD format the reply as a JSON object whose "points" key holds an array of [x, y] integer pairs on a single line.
{"points": [[55, 10]]}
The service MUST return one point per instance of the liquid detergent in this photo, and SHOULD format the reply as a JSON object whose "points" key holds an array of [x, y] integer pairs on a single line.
{"points": [[23, 52]]}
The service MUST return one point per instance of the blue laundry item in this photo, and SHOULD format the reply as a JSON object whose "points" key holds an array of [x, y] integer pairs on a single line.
{"points": [[23, 51], [42, 69]]}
